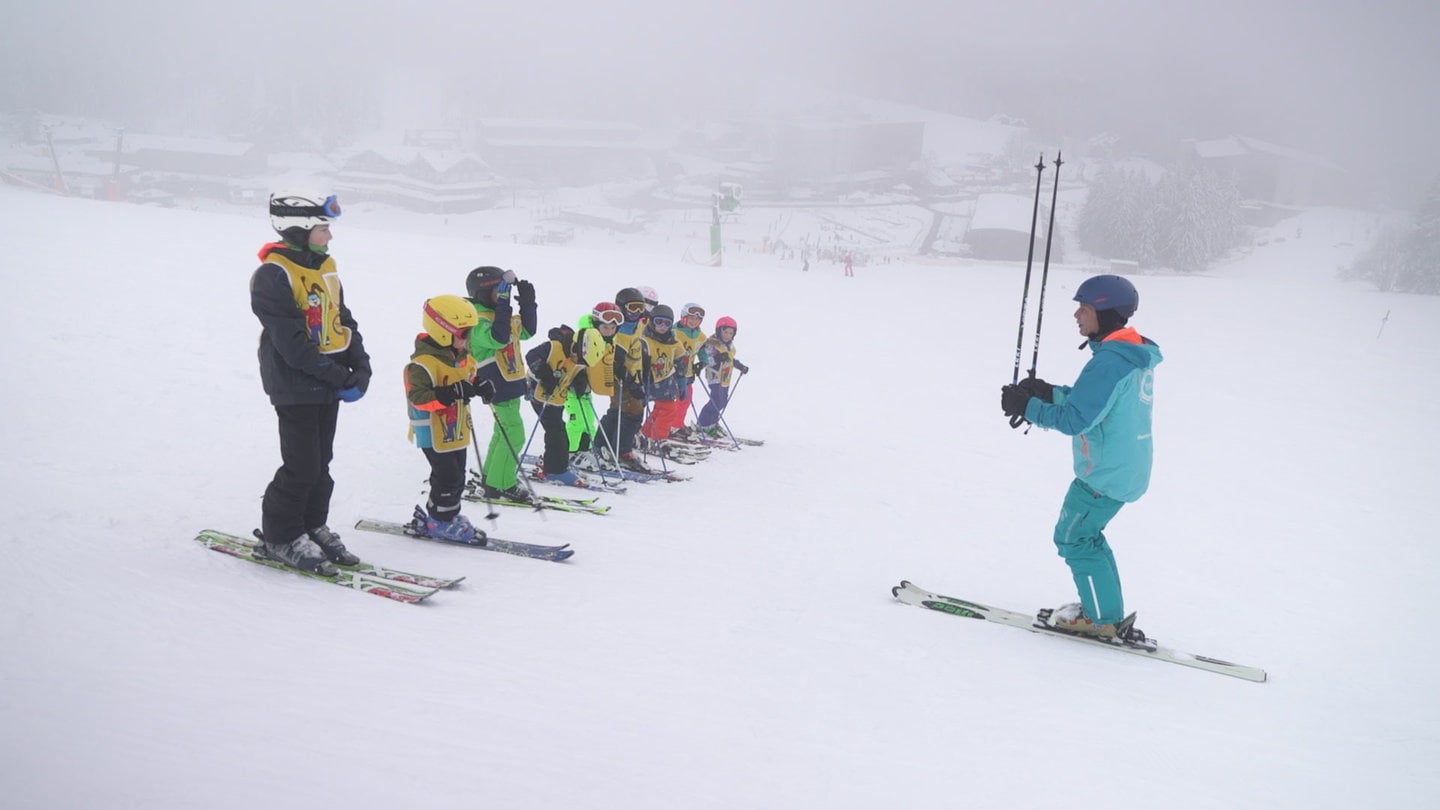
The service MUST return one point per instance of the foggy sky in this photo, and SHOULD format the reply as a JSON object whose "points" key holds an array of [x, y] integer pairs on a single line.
{"points": [[1353, 81]]}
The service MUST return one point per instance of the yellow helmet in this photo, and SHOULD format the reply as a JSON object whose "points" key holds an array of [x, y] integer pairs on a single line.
{"points": [[446, 316], [592, 346]]}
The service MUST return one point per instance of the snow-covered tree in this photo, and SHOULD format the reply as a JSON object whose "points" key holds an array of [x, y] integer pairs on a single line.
{"points": [[1186, 221], [1406, 258]]}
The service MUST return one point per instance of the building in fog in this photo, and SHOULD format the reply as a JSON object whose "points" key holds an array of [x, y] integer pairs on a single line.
{"points": [[427, 180], [1000, 228], [1272, 173], [563, 152]]}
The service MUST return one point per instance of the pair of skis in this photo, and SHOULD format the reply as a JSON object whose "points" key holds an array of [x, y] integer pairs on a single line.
{"points": [[912, 594], [390, 583], [613, 474]]}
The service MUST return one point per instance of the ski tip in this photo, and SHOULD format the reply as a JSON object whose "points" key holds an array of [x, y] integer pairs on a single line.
{"points": [[895, 591]]}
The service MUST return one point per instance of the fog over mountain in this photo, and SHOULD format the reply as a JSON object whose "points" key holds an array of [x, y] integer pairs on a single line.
{"points": [[1347, 80]]}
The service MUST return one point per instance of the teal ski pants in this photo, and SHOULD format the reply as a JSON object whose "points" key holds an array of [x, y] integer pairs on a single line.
{"points": [[1080, 538]]}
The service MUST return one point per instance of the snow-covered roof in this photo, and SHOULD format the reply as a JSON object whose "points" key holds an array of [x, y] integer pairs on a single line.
{"points": [[1006, 212], [1238, 145], [136, 141], [558, 125], [441, 160], [302, 161]]}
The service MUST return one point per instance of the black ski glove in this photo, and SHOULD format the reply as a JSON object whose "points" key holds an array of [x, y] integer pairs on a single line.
{"points": [[1039, 388], [485, 390], [1013, 400], [466, 390], [524, 292]]}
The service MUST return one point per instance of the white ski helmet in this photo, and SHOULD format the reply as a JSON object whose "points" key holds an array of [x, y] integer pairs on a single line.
{"points": [[301, 208]]}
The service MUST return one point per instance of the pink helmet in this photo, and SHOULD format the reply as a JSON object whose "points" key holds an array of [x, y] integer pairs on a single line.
{"points": [[726, 320]]}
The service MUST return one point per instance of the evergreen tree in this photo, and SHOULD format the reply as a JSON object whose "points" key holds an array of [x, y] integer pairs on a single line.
{"points": [[1405, 258], [1424, 275], [1187, 220]]}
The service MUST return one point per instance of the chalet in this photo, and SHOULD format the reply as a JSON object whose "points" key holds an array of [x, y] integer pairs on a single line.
{"points": [[419, 179], [565, 152], [1271, 173]]}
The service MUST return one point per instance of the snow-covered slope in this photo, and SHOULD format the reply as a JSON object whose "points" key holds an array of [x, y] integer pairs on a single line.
{"points": [[728, 642]]}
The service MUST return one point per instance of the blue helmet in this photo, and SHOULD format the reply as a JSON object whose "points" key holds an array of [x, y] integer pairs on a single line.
{"points": [[1109, 292]]}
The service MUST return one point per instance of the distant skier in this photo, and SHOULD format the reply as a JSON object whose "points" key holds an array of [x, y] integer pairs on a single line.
{"points": [[307, 366], [1107, 410]]}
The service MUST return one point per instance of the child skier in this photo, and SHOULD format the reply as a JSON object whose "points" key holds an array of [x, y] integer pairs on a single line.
{"points": [[495, 345], [667, 417], [718, 358], [557, 369], [627, 409], [439, 383], [659, 373], [598, 328]]}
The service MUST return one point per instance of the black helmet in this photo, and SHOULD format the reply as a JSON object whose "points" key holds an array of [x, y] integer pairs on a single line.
{"points": [[627, 296], [482, 280]]}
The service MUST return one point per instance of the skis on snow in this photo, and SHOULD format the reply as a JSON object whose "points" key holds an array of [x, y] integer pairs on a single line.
{"points": [[911, 594], [391, 583], [482, 541], [551, 502]]}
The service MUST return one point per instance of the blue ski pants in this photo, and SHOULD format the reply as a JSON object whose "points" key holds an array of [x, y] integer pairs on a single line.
{"points": [[1080, 538]]}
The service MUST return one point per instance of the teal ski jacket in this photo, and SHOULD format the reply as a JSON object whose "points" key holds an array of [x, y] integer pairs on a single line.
{"points": [[1107, 411]]}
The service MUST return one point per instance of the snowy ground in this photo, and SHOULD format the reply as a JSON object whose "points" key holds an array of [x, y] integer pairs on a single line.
{"points": [[728, 642]]}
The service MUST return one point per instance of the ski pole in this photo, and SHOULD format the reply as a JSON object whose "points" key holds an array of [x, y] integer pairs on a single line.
{"points": [[1029, 262], [648, 384], [729, 399], [492, 515], [1045, 271], [494, 414], [1016, 421], [586, 412], [531, 438]]}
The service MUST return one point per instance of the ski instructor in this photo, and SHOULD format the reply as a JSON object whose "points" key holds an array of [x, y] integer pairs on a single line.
{"points": [[311, 358], [1107, 411]]}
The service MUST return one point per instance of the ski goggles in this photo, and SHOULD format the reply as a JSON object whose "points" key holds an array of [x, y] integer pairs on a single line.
{"points": [[637, 307], [330, 208], [693, 311], [662, 323], [611, 317]]}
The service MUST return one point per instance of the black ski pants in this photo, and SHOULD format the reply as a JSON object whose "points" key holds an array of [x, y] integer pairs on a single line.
{"points": [[447, 483], [557, 438], [298, 498]]}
